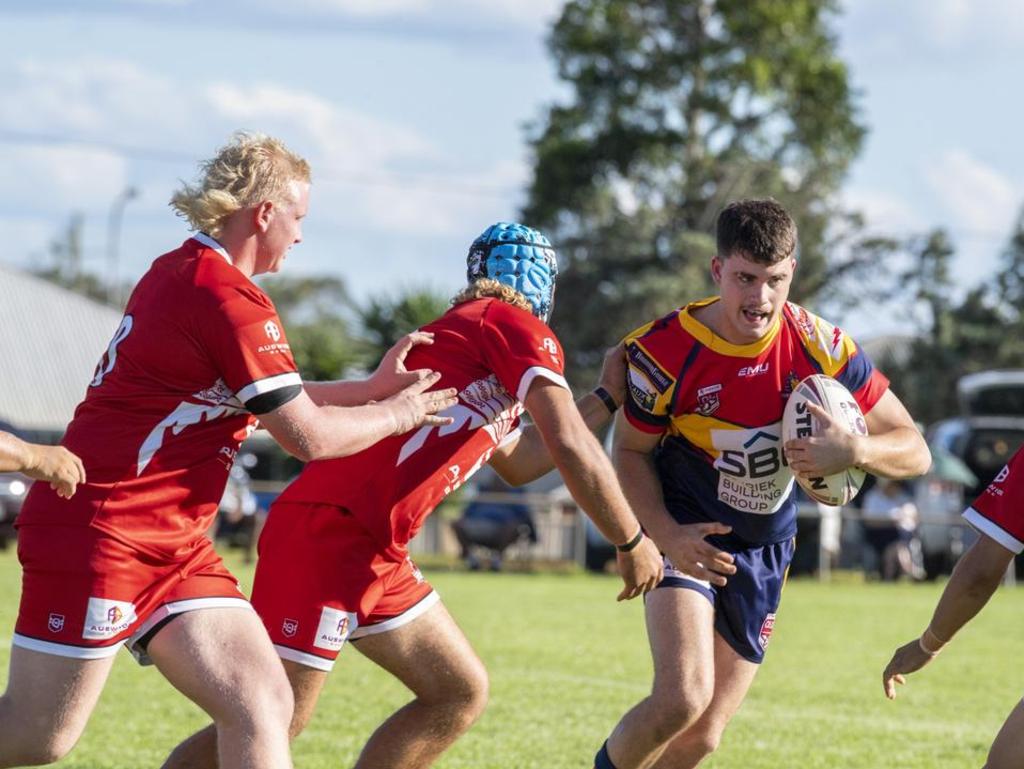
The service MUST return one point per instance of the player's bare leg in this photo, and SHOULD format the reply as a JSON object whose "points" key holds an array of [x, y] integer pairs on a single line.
{"points": [[433, 658], [47, 704], [733, 676], [1007, 751], [223, 661], [680, 628]]}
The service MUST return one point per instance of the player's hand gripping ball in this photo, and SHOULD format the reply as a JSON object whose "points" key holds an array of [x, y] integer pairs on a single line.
{"points": [[799, 422]]}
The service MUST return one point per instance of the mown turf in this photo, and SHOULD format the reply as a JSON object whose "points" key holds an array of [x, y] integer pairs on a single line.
{"points": [[566, 660]]}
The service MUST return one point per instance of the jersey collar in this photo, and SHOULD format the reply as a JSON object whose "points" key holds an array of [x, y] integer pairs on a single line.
{"points": [[213, 245], [712, 341]]}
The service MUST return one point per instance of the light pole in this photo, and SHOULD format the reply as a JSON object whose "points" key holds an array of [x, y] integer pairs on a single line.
{"points": [[114, 241]]}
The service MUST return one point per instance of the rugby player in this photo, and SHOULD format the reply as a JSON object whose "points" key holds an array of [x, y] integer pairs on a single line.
{"points": [[998, 516], [334, 563], [55, 464], [199, 354], [699, 454]]}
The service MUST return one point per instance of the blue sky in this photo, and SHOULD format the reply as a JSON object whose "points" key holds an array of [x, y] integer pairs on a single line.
{"points": [[412, 113]]}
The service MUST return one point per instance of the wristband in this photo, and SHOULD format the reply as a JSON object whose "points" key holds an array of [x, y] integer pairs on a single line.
{"points": [[934, 645], [606, 399], [632, 543]]}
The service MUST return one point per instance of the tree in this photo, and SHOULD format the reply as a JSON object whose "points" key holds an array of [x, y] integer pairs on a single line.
{"points": [[680, 106], [385, 319]]}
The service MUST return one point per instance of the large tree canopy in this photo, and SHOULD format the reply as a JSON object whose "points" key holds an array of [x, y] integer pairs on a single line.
{"points": [[677, 107]]}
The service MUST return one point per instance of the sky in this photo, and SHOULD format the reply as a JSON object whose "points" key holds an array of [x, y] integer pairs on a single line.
{"points": [[414, 115]]}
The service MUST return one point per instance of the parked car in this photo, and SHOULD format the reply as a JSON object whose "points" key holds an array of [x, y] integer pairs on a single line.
{"points": [[988, 431]]}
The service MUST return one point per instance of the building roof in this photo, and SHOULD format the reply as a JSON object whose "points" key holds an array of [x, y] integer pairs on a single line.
{"points": [[50, 342]]}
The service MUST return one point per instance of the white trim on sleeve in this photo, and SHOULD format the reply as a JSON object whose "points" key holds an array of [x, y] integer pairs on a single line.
{"points": [[309, 660], [396, 622], [532, 373], [67, 650], [992, 529], [271, 383]]}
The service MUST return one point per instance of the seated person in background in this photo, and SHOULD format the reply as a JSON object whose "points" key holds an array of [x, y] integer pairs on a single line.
{"points": [[889, 516], [494, 522]]}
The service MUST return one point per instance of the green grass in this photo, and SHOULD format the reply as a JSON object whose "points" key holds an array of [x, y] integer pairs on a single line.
{"points": [[566, 661]]}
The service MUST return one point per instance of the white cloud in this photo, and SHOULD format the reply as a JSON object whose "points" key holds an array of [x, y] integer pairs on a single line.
{"points": [[944, 24], [58, 180], [884, 212], [976, 197]]}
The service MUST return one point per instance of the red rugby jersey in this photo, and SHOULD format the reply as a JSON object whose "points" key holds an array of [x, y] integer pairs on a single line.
{"points": [[490, 352], [199, 351], [999, 509]]}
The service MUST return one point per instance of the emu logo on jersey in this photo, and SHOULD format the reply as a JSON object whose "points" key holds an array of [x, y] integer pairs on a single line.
{"points": [[273, 332]]}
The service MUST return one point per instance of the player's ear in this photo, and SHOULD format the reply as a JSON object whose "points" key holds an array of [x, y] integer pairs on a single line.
{"points": [[263, 214], [716, 269]]}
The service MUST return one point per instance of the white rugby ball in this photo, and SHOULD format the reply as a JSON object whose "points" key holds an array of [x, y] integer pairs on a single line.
{"points": [[798, 422]]}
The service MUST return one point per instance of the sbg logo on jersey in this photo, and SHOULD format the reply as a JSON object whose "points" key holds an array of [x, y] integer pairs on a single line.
{"points": [[273, 332], [334, 628], [105, 618]]}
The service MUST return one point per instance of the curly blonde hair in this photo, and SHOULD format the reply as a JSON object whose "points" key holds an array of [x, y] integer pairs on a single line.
{"points": [[251, 168], [484, 288]]}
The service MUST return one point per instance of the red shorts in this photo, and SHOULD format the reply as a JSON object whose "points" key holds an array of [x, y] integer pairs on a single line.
{"points": [[998, 512], [321, 579], [84, 594]]}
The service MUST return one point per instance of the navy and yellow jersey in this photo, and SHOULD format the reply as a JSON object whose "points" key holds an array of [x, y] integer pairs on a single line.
{"points": [[718, 407]]}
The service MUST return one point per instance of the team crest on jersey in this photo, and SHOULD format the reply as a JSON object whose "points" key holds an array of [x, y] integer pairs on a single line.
{"points": [[766, 630], [290, 627], [804, 321], [790, 383], [55, 623], [335, 627], [655, 374], [708, 400]]}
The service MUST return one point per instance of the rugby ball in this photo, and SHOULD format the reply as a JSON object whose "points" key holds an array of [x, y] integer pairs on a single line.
{"points": [[798, 422]]}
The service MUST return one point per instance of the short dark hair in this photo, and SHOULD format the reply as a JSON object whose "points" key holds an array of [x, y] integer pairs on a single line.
{"points": [[759, 229]]}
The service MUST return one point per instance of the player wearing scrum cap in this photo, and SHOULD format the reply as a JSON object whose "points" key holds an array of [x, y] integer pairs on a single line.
{"points": [[699, 455], [334, 563], [199, 354]]}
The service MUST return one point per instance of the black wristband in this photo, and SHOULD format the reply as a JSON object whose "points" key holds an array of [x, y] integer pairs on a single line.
{"points": [[632, 543], [606, 399]]}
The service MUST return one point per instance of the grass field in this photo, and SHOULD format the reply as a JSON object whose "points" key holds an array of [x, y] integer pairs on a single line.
{"points": [[566, 661]]}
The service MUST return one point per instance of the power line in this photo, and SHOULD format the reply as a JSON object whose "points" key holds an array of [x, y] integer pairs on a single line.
{"points": [[438, 182]]}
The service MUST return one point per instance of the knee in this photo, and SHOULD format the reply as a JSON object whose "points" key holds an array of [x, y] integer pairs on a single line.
{"points": [[270, 704], [705, 740], [465, 697], [677, 711]]}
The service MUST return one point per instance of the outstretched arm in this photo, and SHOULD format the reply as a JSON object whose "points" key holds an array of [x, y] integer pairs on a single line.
{"points": [[390, 377], [527, 458], [974, 580], [589, 476], [55, 464]]}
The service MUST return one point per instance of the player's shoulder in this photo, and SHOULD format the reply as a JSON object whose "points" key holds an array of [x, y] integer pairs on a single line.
{"points": [[666, 340], [826, 342]]}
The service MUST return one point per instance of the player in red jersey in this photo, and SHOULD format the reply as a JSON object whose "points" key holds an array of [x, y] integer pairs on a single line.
{"points": [[334, 563], [55, 464], [699, 454], [998, 515], [199, 354]]}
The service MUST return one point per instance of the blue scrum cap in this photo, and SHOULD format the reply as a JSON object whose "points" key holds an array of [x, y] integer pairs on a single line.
{"points": [[520, 257]]}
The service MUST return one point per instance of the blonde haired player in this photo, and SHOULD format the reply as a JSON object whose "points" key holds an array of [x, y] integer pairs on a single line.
{"points": [[199, 354]]}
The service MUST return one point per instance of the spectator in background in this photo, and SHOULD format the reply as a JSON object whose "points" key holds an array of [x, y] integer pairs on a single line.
{"points": [[493, 522], [889, 517]]}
